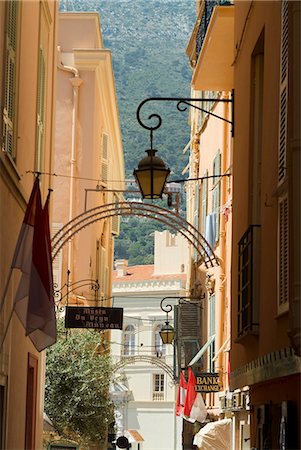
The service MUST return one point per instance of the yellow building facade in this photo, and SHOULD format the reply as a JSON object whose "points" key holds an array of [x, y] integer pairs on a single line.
{"points": [[254, 49], [28, 56], [265, 323], [88, 158], [209, 198]]}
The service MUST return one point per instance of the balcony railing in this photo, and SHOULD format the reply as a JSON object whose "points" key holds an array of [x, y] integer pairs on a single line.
{"points": [[158, 396], [248, 280], [208, 7]]}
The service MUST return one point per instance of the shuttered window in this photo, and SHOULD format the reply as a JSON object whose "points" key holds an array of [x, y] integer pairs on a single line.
{"points": [[40, 111], [204, 202], [283, 255], [282, 142], [10, 81], [196, 213], [115, 219], [104, 161], [216, 194], [57, 263]]}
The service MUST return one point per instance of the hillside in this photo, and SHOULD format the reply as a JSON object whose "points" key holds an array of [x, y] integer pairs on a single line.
{"points": [[148, 40]]}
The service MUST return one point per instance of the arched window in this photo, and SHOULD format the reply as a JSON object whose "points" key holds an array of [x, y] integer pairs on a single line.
{"points": [[129, 340], [160, 348]]}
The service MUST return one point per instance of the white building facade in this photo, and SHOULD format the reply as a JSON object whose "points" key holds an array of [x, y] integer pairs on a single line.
{"points": [[145, 367]]}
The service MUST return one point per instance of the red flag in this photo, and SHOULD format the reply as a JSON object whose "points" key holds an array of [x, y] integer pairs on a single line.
{"points": [[194, 408], [34, 302], [181, 395]]}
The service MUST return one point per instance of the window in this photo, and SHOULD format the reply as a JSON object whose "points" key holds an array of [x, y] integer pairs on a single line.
{"points": [[282, 140], [158, 389], [31, 397], [10, 80], [211, 331], [257, 72], [248, 280], [283, 202], [129, 340], [283, 255], [104, 158], [115, 218], [204, 202], [216, 194], [40, 111], [57, 263], [196, 211], [160, 348]]}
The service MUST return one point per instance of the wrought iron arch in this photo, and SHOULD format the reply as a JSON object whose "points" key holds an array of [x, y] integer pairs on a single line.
{"points": [[145, 210], [125, 361]]}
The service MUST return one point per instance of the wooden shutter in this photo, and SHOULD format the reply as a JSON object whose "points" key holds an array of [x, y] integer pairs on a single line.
{"points": [[282, 142], [40, 110], [104, 159], [115, 220], [10, 78], [283, 255], [196, 212], [216, 194], [204, 202], [57, 263]]}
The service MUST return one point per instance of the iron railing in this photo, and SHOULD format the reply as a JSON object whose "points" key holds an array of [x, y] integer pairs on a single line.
{"points": [[208, 8], [248, 280]]}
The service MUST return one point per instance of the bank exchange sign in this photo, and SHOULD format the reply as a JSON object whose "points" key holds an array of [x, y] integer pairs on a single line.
{"points": [[208, 382]]}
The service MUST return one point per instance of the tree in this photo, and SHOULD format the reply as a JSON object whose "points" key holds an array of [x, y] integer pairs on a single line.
{"points": [[77, 387]]}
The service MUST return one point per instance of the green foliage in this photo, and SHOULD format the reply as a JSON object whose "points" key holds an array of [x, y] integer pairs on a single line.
{"points": [[77, 387], [136, 240]]}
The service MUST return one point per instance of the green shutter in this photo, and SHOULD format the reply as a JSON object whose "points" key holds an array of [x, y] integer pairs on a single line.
{"points": [[10, 78], [40, 110], [216, 194], [204, 202], [196, 213]]}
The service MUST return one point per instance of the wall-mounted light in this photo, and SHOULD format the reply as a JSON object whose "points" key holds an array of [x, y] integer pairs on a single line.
{"points": [[152, 173]]}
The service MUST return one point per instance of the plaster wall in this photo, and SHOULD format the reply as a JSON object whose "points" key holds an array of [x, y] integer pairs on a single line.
{"points": [[36, 29], [96, 114], [263, 17], [171, 254]]}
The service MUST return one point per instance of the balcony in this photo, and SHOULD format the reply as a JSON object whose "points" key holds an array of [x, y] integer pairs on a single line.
{"points": [[158, 396], [211, 47], [248, 281]]}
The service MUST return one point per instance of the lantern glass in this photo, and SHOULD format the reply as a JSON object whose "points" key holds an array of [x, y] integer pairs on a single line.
{"points": [[167, 334], [151, 176]]}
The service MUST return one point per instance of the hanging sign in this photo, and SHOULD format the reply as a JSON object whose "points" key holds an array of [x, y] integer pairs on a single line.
{"points": [[208, 382], [99, 317]]}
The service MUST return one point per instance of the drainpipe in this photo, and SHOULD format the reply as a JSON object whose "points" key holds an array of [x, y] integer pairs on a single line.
{"points": [[76, 81], [223, 314]]}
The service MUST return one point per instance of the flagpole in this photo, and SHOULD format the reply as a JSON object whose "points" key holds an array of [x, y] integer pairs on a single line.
{"points": [[6, 289], [6, 329]]}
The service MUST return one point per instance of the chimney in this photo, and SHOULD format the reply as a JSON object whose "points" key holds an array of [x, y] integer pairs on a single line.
{"points": [[121, 267]]}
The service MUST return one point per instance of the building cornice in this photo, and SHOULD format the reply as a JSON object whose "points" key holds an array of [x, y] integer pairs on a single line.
{"points": [[277, 364]]}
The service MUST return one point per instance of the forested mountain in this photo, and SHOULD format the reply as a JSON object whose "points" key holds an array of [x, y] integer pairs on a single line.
{"points": [[148, 40]]}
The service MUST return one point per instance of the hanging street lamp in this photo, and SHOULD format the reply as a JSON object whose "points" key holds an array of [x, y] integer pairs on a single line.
{"points": [[152, 173]]}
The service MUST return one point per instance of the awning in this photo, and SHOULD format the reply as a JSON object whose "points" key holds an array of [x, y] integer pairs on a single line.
{"points": [[202, 351], [134, 436], [215, 435]]}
